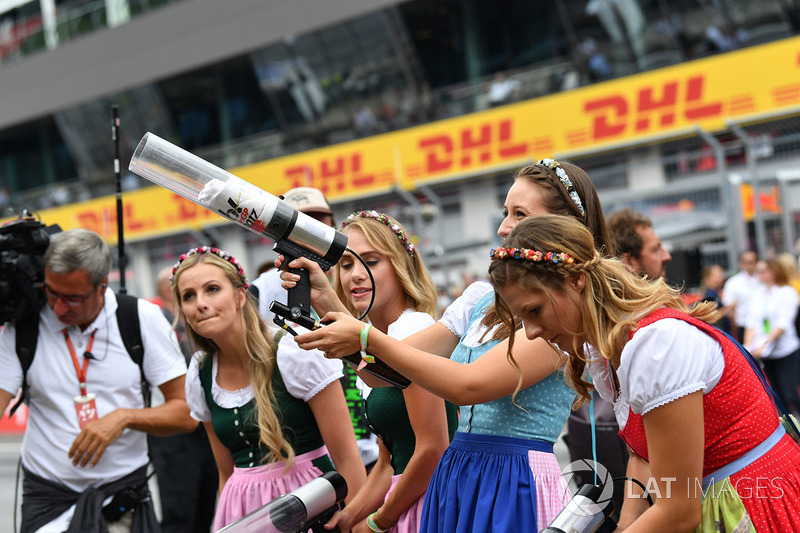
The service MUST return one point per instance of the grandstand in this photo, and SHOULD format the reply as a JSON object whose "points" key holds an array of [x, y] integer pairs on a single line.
{"points": [[685, 110]]}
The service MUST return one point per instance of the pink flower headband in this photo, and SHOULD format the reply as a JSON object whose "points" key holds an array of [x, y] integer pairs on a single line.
{"points": [[526, 254], [210, 250], [387, 221]]}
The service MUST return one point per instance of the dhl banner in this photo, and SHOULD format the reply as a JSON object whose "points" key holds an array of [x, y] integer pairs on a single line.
{"points": [[750, 83]]}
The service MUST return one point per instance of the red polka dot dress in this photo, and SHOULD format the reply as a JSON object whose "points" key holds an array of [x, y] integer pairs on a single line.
{"points": [[739, 419]]}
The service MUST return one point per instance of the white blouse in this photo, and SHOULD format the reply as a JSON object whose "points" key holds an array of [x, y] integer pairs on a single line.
{"points": [[456, 316], [664, 361], [304, 372]]}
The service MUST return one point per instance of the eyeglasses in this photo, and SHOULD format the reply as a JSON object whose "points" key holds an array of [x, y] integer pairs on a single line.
{"points": [[72, 300]]}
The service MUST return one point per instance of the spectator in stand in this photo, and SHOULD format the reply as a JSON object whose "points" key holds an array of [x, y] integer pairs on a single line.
{"points": [[503, 90], [185, 468], [770, 333], [738, 291]]}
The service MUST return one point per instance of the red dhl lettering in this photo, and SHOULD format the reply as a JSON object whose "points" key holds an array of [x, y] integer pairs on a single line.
{"points": [[336, 174], [653, 108], [471, 146], [104, 221], [185, 211]]}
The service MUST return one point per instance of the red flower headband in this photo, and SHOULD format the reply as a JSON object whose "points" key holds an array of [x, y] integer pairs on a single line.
{"points": [[210, 250], [526, 254]]}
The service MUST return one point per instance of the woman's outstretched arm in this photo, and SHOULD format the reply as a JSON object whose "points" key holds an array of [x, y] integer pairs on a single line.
{"points": [[489, 378]]}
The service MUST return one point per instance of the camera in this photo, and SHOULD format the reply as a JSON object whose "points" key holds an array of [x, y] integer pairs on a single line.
{"points": [[23, 243]]}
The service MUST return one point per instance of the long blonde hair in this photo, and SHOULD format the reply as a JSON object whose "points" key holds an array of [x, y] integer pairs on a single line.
{"points": [[260, 346], [611, 303], [418, 288]]}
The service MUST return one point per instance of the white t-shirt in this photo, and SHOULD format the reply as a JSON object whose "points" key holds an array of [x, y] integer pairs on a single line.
{"points": [[304, 372], [111, 375], [738, 290], [456, 316], [776, 307], [664, 361]]}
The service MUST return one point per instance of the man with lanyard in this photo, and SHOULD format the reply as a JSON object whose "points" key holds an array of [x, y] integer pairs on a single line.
{"points": [[84, 454], [267, 288]]}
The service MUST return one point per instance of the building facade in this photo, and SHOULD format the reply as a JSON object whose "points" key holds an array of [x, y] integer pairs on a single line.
{"points": [[684, 110]]}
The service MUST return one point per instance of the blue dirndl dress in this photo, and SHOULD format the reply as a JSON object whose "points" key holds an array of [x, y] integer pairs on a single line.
{"points": [[499, 474]]}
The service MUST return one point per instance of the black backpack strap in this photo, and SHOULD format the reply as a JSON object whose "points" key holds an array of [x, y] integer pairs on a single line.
{"points": [[131, 333], [27, 337]]}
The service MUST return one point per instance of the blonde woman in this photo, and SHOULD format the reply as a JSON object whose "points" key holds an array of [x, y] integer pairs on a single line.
{"points": [[414, 427], [275, 415], [705, 436], [500, 470]]}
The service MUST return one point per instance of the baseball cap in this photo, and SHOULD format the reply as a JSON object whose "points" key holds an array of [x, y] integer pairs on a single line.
{"points": [[308, 200]]}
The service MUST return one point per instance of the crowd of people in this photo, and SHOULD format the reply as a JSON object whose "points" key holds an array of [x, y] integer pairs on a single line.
{"points": [[575, 310]]}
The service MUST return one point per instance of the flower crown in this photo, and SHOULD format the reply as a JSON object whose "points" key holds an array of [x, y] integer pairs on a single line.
{"points": [[526, 254], [210, 250], [387, 221], [562, 175]]}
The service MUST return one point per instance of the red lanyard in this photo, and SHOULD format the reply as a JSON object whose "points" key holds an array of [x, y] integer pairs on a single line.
{"points": [[78, 370]]}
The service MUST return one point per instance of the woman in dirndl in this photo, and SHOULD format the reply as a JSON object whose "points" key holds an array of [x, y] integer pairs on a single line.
{"points": [[275, 415], [706, 438]]}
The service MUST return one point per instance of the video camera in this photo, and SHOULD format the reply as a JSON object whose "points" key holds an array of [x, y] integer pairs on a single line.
{"points": [[23, 243]]}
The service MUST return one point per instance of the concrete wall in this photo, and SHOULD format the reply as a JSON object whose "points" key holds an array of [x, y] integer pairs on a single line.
{"points": [[173, 39]]}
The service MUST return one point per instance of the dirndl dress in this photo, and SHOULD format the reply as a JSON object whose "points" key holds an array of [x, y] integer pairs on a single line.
{"points": [[499, 473], [751, 466]]}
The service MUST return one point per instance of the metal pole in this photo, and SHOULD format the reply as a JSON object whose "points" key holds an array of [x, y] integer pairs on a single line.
{"points": [[118, 179], [784, 187], [752, 171], [728, 204], [435, 200], [410, 200]]}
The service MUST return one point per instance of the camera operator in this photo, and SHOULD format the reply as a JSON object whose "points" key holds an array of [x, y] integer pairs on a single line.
{"points": [[84, 455]]}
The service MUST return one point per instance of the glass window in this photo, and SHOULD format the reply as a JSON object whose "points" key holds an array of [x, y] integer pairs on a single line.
{"points": [[33, 155], [436, 31], [192, 101], [243, 107]]}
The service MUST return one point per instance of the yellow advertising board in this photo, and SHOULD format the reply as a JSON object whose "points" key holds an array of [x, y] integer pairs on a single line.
{"points": [[704, 93]]}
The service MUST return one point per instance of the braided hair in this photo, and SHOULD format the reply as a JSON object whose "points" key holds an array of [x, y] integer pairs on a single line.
{"points": [[611, 303], [556, 200]]}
